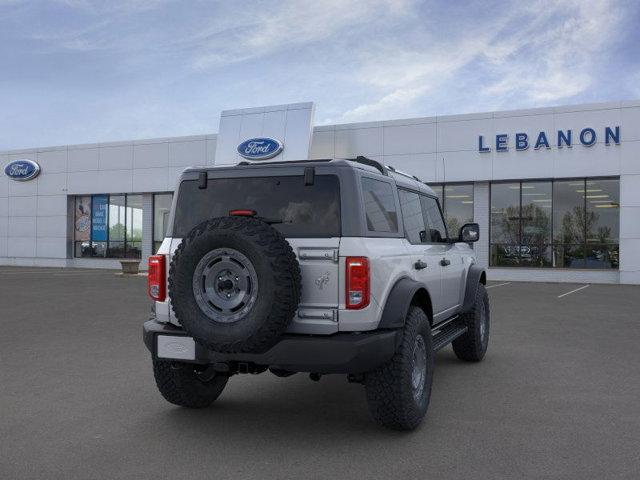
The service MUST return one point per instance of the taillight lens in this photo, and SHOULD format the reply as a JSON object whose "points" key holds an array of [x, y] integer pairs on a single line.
{"points": [[240, 212], [156, 282], [357, 282]]}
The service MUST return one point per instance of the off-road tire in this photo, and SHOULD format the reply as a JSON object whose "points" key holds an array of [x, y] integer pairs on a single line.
{"points": [[389, 388], [472, 345], [179, 384], [278, 291]]}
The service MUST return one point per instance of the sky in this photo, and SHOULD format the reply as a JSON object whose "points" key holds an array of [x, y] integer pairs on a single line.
{"points": [[80, 71]]}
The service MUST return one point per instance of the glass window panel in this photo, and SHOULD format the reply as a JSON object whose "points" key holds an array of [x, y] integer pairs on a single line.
{"points": [[115, 249], [412, 216], [117, 216], [82, 249], [568, 212], [82, 227], [117, 225], [436, 230], [380, 207], [99, 249], [134, 226], [603, 211], [505, 213], [161, 210], [304, 210], [504, 255], [601, 256], [536, 199], [458, 206], [568, 256]]}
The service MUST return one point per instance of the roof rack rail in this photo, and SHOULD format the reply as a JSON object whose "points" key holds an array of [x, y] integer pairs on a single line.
{"points": [[244, 163], [404, 174], [372, 163]]}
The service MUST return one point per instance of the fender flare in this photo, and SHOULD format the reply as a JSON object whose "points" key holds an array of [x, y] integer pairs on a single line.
{"points": [[398, 303], [475, 277]]}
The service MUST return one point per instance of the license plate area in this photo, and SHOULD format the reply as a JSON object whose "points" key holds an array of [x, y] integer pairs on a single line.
{"points": [[175, 347]]}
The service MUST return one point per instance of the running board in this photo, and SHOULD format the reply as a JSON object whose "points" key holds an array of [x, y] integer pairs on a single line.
{"points": [[447, 335]]}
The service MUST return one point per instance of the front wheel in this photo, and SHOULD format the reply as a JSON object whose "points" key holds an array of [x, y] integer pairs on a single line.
{"points": [[472, 346], [398, 392], [185, 385]]}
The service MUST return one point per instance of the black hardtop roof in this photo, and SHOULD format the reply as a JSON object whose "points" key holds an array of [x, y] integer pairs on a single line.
{"points": [[362, 163]]}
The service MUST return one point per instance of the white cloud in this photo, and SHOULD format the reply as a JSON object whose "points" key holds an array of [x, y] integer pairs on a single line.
{"points": [[544, 52], [254, 33], [554, 63]]}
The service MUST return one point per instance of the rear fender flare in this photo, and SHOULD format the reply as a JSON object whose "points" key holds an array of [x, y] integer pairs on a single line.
{"points": [[399, 300]]}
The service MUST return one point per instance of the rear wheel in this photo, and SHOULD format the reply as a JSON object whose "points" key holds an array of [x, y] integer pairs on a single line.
{"points": [[398, 392], [186, 384]]}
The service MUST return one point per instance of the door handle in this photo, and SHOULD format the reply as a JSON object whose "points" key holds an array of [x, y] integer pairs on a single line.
{"points": [[445, 261], [419, 265]]}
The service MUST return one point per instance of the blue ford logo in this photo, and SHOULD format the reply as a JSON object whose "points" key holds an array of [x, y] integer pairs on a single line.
{"points": [[22, 170], [260, 148]]}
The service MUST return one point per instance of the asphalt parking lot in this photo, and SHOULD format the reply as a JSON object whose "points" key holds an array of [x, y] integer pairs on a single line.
{"points": [[558, 396]]}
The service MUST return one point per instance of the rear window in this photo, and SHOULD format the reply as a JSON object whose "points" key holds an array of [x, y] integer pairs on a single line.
{"points": [[380, 206], [303, 210]]}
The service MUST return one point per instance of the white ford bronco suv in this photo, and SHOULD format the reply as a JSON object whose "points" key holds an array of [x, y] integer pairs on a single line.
{"points": [[319, 266]]}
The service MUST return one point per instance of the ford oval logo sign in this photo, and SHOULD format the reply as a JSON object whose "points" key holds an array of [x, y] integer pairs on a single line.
{"points": [[22, 170], [260, 148]]}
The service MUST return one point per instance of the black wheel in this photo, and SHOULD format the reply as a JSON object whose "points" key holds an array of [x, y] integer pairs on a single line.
{"points": [[234, 284], [398, 392], [472, 346], [185, 385]]}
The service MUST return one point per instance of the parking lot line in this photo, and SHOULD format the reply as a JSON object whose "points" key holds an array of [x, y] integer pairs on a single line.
{"points": [[498, 285], [573, 291]]}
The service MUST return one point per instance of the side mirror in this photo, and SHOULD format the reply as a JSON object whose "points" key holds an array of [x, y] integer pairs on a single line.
{"points": [[470, 232]]}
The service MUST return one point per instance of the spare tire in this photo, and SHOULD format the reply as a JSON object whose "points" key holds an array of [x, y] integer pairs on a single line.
{"points": [[234, 284]]}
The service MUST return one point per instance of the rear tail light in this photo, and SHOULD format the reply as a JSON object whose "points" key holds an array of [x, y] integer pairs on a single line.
{"points": [[242, 213], [156, 280], [357, 282]]}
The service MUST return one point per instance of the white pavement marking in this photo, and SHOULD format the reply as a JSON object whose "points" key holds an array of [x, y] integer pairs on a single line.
{"points": [[57, 273], [573, 291], [498, 285]]}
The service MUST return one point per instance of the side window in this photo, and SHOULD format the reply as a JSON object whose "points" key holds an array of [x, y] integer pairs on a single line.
{"points": [[412, 216], [436, 231], [380, 206]]}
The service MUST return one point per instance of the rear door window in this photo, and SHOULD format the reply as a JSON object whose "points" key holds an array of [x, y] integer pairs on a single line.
{"points": [[296, 209], [436, 230], [380, 206], [412, 217]]}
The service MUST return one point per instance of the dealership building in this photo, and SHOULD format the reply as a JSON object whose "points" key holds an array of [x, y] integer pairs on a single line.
{"points": [[556, 190]]}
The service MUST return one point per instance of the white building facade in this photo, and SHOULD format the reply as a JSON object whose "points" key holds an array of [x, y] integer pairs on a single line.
{"points": [[556, 191]]}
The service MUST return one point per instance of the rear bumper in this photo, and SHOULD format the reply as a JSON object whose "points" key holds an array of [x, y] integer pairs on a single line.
{"points": [[337, 353]]}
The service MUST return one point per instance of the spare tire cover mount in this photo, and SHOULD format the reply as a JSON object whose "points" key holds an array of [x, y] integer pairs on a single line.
{"points": [[225, 285]]}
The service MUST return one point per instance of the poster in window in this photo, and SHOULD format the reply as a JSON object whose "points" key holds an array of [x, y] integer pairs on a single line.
{"points": [[99, 214], [83, 219]]}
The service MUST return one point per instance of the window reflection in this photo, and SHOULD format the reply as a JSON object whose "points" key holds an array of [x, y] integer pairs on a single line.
{"points": [[161, 209], [108, 226], [456, 200], [536, 200], [134, 226], [564, 224]]}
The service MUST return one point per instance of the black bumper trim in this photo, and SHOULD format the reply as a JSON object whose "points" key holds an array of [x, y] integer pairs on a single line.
{"points": [[337, 353]]}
